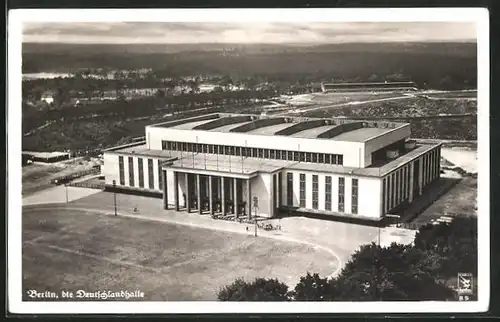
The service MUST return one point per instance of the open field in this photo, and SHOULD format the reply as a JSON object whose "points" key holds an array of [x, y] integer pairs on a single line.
{"points": [[37, 176], [408, 107], [78, 250]]}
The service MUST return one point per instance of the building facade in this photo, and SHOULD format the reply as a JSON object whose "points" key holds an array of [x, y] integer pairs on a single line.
{"points": [[228, 164]]}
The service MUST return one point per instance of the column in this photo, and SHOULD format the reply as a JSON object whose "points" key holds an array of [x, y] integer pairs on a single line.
{"points": [[223, 196], [249, 200], [188, 197], [235, 196], [412, 171], [198, 186], [438, 165], [176, 190], [165, 194], [420, 176], [210, 194]]}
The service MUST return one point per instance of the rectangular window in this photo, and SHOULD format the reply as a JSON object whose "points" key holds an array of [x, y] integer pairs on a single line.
{"points": [[328, 193], [354, 203], [302, 190], [308, 156], [141, 172], [211, 148], [302, 156], [340, 159], [151, 176], [279, 188], [163, 145], [341, 194], [254, 152], [266, 153], [289, 189], [175, 146], [315, 191], [272, 154], [295, 156], [227, 150], [393, 186], [389, 193], [321, 158], [283, 155], [328, 159], [200, 147], [290, 155], [334, 158], [261, 153], [396, 191], [131, 172], [314, 158], [160, 179], [238, 151], [384, 194], [190, 147], [122, 170]]}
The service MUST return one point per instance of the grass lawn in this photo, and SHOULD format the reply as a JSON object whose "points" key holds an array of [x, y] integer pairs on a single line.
{"points": [[78, 250]]}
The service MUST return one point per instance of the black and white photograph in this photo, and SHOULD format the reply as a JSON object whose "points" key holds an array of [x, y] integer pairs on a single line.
{"points": [[248, 160]]}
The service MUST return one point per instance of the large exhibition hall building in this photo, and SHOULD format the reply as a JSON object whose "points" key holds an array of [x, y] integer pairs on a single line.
{"points": [[219, 163]]}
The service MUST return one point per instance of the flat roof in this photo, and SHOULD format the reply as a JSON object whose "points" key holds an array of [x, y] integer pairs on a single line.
{"points": [[224, 163], [270, 130], [359, 135], [312, 133], [227, 128], [190, 125], [228, 164], [308, 129]]}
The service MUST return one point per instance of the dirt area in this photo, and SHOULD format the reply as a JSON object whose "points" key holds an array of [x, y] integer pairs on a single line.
{"points": [[37, 176], [464, 158], [459, 200]]}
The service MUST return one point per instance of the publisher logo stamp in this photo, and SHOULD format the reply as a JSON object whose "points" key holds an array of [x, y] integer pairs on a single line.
{"points": [[464, 287]]}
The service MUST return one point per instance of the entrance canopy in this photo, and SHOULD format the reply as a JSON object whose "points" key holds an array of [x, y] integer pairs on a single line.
{"points": [[229, 166]]}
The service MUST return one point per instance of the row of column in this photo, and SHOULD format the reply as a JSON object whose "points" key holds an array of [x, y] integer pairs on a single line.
{"points": [[219, 191]]}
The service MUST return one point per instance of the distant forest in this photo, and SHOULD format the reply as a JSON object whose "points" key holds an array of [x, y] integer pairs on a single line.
{"points": [[430, 65]]}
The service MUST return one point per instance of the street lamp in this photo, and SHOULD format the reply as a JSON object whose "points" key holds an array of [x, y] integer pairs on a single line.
{"points": [[114, 194], [255, 207]]}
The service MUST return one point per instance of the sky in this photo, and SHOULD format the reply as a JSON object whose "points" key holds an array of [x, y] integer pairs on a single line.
{"points": [[190, 32]]}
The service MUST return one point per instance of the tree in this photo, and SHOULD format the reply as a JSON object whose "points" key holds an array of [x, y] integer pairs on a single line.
{"points": [[398, 272], [312, 288], [454, 243], [259, 290]]}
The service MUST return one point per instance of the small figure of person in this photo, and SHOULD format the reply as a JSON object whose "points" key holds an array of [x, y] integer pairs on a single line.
{"points": [[247, 228]]}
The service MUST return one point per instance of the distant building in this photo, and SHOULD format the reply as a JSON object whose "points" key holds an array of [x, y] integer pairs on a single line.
{"points": [[368, 87], [47, 157], [47, 98], [335, 167]]}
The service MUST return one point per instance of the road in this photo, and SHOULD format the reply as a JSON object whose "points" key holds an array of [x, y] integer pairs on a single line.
{"points": [[305, 110]]}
